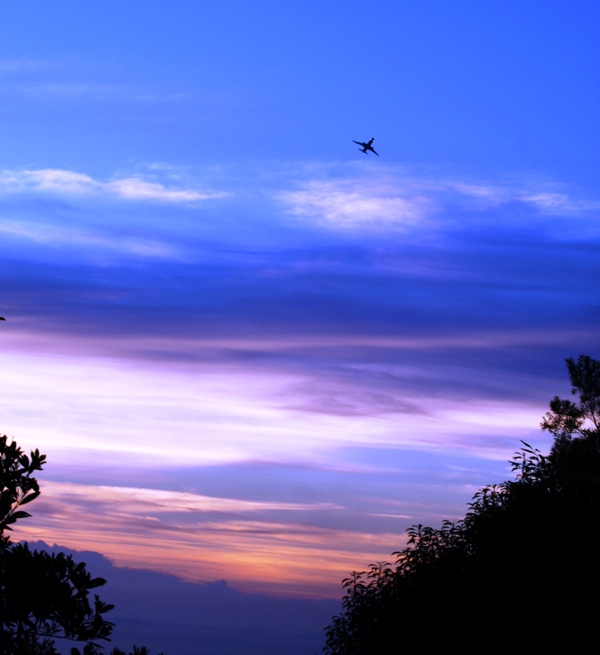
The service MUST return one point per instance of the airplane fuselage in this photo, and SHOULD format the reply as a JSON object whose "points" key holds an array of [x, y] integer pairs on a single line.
{"points": [[365, 147]]}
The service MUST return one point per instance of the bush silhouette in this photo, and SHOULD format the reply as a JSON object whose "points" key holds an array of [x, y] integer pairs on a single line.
{"points": [[518, 574]]}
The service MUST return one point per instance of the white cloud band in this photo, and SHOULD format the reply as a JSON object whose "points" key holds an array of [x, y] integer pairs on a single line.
{"points": [[65, 182]]}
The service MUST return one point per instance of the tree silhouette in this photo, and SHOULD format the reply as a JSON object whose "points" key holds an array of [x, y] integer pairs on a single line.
{"points": [[43, 597], [518, 574]]}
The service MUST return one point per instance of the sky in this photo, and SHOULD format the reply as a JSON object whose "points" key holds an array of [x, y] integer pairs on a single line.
{"points": [[251, 352]]}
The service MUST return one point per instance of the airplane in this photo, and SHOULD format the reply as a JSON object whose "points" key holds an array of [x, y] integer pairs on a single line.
{"points": [[366, 146], [2, 318]]}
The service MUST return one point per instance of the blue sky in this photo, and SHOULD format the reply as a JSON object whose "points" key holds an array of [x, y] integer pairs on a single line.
{"points": [[244, 343]]}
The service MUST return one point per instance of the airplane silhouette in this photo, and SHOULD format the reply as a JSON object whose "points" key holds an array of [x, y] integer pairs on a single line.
{"points": [[366, 146]]}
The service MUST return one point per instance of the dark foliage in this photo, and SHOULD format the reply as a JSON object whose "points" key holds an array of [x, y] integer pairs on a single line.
{"points": [[43, 597], [518, 574]]}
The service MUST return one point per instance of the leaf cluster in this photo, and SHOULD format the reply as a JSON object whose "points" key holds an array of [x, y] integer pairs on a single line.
{"points": [[49, 595], [17, 484]]}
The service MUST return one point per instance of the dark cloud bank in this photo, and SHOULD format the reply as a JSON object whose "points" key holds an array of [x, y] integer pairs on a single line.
{"points": [[180, 618]]}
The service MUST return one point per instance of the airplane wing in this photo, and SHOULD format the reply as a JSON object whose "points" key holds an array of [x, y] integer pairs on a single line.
{"points": [[359, 143], [373, 149]]}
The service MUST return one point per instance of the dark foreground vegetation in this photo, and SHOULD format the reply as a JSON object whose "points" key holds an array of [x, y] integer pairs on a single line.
{"points": [[43, 597], [520, 573]]}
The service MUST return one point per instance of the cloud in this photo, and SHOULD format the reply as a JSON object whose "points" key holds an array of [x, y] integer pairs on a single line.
{"points": [[158, 501], [257, 549], [162, 611], [545, 197], [72, 183], [136, 189], [264, 526], [351, 204], [53, 180], [76, 239], [554, 202], [395, 200]]}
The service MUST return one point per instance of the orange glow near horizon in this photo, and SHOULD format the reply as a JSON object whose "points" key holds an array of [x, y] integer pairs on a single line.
{"points": [[251, 554]]}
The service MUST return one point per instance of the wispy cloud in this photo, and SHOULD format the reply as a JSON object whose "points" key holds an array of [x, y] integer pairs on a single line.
{"points": [[554, 202], [143, 501], [396, 200], [256, 545], [220, 412], [546, 197], [74, 239], [69, 183], [354, 204], [134, 188]]}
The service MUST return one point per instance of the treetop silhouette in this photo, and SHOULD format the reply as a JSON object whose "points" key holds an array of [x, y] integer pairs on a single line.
{"points": [[43, 596], [518, 574]]}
